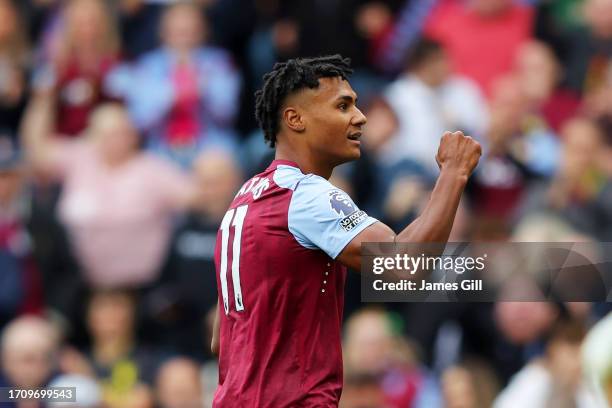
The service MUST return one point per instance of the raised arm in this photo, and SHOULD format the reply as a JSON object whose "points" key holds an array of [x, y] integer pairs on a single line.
{"points": [[36, 130], [457, 157]]}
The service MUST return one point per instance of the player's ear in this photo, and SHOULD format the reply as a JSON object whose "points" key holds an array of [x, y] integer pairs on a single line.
{"points": [[293, 119]]}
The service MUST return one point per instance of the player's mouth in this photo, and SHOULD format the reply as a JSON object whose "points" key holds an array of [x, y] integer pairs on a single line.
{"points": [[355, 137]]}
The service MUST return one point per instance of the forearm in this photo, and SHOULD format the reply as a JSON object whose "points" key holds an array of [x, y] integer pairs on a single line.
{"points": [[37, 127], [436, 221], [457, 156]]}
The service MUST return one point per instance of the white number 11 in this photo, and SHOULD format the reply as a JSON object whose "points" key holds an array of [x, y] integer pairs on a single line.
{"points": [[237, 223]]}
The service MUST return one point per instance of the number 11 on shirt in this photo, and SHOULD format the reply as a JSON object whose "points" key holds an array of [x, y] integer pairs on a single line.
{"points": [[236, 221]]}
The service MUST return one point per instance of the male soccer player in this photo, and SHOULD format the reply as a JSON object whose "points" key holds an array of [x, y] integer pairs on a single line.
{"points": [[288, 236]]}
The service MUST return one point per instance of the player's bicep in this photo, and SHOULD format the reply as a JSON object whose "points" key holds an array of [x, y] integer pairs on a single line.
{"points": [[351, 254]]}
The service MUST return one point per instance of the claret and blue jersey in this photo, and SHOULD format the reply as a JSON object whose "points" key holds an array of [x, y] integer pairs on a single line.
{"points": [[281, 290]]}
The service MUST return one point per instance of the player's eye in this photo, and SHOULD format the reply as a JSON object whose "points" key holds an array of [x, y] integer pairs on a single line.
{"points": [[343, 106]]}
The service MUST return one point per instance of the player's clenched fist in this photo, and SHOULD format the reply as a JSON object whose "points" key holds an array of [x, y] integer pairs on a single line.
{"points": [[458, 152]]}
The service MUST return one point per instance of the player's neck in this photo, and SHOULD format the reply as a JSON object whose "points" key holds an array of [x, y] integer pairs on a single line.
{"points": [[305, 162]]}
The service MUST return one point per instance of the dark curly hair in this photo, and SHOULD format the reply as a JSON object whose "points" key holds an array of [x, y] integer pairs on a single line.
{"points": [[288, 77]]}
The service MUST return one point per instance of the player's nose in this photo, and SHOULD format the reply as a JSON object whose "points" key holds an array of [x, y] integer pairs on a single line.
{"points": [[359, 119]]}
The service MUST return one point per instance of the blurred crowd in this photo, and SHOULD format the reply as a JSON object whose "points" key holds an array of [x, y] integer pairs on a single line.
{"points": [[127, 126]]}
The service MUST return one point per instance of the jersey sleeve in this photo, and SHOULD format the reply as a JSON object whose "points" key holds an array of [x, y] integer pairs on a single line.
{"points": [[324, 217]]}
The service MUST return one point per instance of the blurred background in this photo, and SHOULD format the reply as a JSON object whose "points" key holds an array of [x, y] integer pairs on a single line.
{"points": [[126, 126]]}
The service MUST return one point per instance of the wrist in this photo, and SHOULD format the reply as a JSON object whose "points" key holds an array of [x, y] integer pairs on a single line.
{"points": [[454, 174]]}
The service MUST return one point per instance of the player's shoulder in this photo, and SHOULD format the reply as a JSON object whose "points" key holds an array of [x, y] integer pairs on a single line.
{"points": [[281, 175], [278, 176], [319, 195], [287, 175]]}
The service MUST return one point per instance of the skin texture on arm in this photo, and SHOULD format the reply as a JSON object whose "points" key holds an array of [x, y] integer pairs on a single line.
{"points": [[457, 157]]}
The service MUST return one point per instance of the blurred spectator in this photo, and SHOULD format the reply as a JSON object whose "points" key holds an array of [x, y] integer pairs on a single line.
{"points": [[453, 333], [588, 66], [471, 384], [14, 63], [82, 47], [565, 14], [30, 348], [374, 21], [428, 100], [406, 195], [363, 391], [405, 128], [582, 140], [544, 227], [555, 380], [391, 196], [539, 75], [520, 148], [520, 326], [20, 285], [124, 368], [184, 96], [336, 30], [524, 322], [179, 384], [230, 20], [372, 348], [117, 202], [597, 359], [382, 124], [88, 393], [139, 21], [392, 41], [580, 191], [190, 270], [482, 36]]}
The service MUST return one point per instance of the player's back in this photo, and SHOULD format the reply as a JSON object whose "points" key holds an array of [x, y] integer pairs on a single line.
{"points": [[282, 296]]}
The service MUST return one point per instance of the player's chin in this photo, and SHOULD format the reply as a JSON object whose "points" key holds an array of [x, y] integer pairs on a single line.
{"points": [[354, 151], [350, 156]]}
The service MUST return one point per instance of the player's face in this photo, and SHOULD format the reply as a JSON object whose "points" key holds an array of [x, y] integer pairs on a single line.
{"points": [[333, 121]]}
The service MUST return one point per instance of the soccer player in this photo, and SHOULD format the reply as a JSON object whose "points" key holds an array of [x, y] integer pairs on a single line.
{"points": [[288, 236]]}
